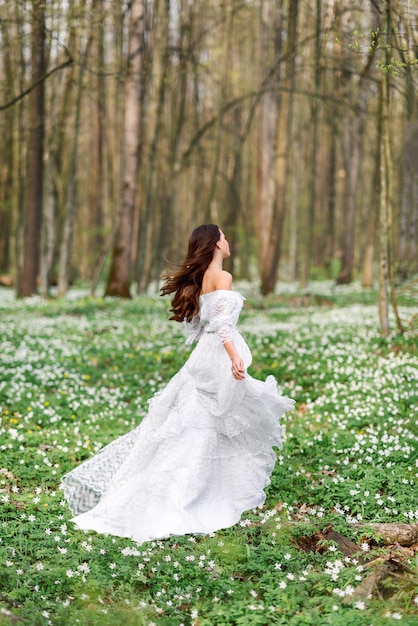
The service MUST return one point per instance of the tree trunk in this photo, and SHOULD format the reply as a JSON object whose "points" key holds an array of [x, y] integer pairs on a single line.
{"points": [[310, 233], [21, 181], [8, 156], [271, 27], [285, 147], [57, 181], [409, 204], [293, 205], [367, 275], [97, 185], [332, 195], [112, 189], [233, 207], [34, 201], [387, 281], [332, 116], [277, 153], [48, 236], [393, 297], [186, 34], [352, 140], [228, 17], [413, 231], [353, 136], [118, 283], [71, 200], [383, 218], [144, 252]]}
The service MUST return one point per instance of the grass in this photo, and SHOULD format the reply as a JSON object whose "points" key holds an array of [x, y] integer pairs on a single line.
{"points": [[76, 373]]}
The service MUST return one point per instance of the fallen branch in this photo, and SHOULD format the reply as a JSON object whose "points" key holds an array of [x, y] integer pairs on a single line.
{"points": [[402, 534], [382, 582], [317, 542]]}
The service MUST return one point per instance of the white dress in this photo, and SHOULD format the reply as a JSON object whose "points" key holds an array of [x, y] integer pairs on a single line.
{"points": [[203, 453]]}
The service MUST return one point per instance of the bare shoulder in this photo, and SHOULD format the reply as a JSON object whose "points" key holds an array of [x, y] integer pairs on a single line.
{"points": [[216, 279], [223, 280]]}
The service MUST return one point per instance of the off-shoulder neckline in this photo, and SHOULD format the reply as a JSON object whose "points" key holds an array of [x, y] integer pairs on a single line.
{"points": [[208, 293]]}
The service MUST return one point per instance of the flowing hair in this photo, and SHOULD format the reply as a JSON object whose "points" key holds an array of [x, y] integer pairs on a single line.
{"points": [[186, 281]]}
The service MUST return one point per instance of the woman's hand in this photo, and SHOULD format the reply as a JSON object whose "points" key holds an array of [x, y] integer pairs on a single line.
{"points": [[238, 371], [237, 364]]}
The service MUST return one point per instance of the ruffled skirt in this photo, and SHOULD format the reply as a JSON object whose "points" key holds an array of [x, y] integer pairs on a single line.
{"points": [[200, 458]]}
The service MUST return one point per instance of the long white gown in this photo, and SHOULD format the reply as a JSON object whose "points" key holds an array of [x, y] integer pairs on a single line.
{"points": [[203, 453]]}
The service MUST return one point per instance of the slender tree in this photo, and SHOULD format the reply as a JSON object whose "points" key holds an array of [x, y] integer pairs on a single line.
{"points": [[72, 187], [310, 232], [239, 112], [408, 218], [387, 291], [34, 199], [266, 208], [96, 213], [285, 143], [373, 213], [353, 141], [383, 215], [144, 244], [8, 157], [178, 119], [118, 282]]}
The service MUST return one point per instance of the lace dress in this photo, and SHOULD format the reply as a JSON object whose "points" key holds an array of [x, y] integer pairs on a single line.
{"points": [[203, 453]]}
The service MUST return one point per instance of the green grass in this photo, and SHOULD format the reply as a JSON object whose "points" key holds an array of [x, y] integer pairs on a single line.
{"points": [[76, 373]]}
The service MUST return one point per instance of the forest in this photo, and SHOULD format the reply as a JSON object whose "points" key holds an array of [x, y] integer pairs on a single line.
{"points": [[292, 125]]}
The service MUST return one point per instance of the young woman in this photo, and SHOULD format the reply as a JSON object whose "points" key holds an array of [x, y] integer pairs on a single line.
{"points": [[204, 452]]}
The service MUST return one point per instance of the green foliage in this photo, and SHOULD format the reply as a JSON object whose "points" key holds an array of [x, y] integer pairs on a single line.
{"points": [[76, 373]]}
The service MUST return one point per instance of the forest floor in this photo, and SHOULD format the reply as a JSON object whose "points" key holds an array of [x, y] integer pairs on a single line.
{"points": [[76, 373]]}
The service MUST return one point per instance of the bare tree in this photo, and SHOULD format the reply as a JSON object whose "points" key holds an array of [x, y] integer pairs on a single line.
{"points": [[96, 217], [7, 158], [34, 201], [118, 283], [275, 138], [373, 212], [386, 270], [385, 198], [267, 221], [261, 116], [310, 233], [353, 137], [71, 196], [408, 219], [162, 61]]}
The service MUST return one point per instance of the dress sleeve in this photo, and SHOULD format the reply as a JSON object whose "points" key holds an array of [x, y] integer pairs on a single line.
{"points": [[222, 317], [193, 329]]}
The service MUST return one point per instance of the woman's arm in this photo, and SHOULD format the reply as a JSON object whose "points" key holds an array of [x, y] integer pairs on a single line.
{"points": [[238, 370], [224, 281]]}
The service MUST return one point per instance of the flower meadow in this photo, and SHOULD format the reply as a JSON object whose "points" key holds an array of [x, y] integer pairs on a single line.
{"points": [[76, 373]]}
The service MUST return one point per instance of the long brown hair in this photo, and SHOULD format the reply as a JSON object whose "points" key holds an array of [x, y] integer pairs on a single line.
{"points": [[186, 281]]}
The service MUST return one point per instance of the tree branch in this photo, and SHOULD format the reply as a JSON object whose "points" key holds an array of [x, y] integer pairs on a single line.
{"points": [[38, 82]]}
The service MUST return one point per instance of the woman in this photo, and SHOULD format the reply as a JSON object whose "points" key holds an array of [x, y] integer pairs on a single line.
{"points": [[203, 453]]}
